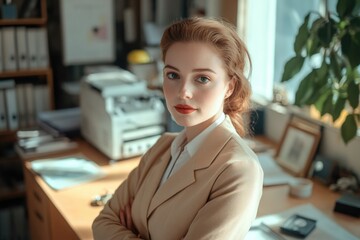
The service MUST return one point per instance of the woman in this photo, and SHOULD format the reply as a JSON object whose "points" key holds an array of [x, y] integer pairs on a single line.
{"points": [[205, 182]]}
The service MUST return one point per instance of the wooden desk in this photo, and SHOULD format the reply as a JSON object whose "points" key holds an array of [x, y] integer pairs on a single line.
{"points": [[276, 199], [67, 214]]}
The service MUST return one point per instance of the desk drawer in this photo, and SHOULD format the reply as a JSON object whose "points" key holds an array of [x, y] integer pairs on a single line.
{"points": [[38, 208]]}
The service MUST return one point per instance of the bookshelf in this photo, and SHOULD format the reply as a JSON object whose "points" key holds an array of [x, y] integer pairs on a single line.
{"points": [[30, 75], [37, 75]]}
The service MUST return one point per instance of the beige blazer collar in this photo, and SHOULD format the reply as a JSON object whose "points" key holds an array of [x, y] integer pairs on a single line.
{"points": [[185, 176]]}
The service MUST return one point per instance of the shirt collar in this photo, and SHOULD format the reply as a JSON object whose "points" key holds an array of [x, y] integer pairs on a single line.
{"points": [[192, 146]]}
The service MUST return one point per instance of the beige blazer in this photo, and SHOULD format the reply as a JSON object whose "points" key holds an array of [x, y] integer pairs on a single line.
{"points": [[215, 195]]}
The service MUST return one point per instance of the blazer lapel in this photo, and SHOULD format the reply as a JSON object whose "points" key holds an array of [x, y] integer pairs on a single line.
{"points": [[185, 176], [214, 143], [153, 179], [177, 182]]}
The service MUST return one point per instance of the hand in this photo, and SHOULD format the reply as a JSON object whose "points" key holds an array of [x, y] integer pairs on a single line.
{"points": [[126, 218]]}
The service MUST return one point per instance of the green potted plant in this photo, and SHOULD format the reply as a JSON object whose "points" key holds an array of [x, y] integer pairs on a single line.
{"points": [[333, 85]]}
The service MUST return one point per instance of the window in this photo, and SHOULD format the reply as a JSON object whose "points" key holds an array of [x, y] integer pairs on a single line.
{"points": [[271, 27]]}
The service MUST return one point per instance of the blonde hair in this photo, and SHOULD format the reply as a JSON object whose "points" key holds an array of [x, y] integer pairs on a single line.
{"points": [[223, 36]]}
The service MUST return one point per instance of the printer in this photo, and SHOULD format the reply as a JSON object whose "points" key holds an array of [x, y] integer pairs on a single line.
{"points": [[120, 116]]}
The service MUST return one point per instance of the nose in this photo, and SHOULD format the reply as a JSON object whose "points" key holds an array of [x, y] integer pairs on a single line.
{"points": [[185, 91]]}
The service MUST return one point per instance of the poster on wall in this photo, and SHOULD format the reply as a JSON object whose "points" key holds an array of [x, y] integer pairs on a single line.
{"points": [[87, 31]]}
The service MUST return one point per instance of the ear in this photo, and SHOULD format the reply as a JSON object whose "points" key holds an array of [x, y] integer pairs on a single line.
{"points": [[230, 87]]}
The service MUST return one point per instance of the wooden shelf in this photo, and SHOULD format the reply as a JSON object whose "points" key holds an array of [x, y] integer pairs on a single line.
{"points": [[25, 73], [23, 21], [34, 21], [7, 136], [47, 72]]}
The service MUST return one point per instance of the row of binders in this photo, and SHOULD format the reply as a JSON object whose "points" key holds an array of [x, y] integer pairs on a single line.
{"points": [[23, 48], [21, 103]]}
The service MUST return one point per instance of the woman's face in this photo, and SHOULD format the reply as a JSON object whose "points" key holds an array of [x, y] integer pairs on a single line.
{"points": [[195, 84]]}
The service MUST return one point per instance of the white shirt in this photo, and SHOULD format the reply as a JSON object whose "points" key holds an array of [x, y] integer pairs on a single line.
{"points": [[181, 154]]}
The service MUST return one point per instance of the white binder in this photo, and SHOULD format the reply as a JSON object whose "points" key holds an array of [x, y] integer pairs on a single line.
{"points": [[21, 105], [32, 47], [42, 48], [9, 49], [3, 116], [21, 44], [12, 114]]}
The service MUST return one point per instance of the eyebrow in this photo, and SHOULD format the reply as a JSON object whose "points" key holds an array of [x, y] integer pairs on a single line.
{"points": [[195, 70]]}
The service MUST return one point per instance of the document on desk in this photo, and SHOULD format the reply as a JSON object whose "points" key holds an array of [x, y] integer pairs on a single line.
{"points": [[60, 173], [273, 173], [326, 228]]}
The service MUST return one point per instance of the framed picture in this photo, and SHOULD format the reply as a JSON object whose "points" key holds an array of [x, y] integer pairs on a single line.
{"points": [[297, 148]]}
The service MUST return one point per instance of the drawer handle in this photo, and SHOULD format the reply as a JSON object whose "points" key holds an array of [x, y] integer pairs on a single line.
{"points": [[36, 195], [38, 215]]}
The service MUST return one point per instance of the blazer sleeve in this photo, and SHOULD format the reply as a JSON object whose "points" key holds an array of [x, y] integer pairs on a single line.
{"points": [[107, 224], [232, 204]]}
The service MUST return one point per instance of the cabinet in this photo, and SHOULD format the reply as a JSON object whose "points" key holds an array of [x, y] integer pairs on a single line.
{"points": [[45, 222], [35, 71], [31, 75], [68, 212]]}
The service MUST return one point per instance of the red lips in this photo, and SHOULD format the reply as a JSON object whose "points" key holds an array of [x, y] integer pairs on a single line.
{"points": [[184, 109]]}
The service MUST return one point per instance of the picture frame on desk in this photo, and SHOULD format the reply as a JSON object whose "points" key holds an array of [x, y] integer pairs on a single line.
{"points": [[297, 148]]}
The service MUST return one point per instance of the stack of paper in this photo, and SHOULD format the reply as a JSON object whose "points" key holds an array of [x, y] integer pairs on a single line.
{"points": [[62, 173], [37, 142]]}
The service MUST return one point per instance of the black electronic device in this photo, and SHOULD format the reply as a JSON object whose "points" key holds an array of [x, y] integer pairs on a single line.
{"points": [[348, 204], [323, 169], [298, 226]]}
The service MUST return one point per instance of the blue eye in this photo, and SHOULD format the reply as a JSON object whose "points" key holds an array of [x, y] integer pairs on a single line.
{"points": [[172, 75], [203, 79]]}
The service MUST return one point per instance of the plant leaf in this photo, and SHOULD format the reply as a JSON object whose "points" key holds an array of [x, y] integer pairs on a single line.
{"points": [[349, 128], [292, 67], [328, 105], [353, 48], [353, 94], [323, 96], [345, 7], [356, 75], [334, 65], [313, 45], [320, 92], [356, 9], [305, 89], [356, 20], [326, 32], [338, 107], [302, 36], [321, 72]]}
